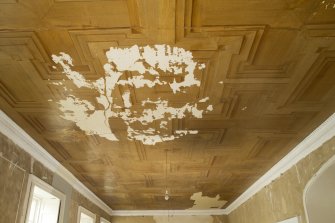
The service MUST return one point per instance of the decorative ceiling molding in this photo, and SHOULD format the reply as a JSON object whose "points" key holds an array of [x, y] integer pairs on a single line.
{"points": [[313, 141], [168, 212], [10, 129]]}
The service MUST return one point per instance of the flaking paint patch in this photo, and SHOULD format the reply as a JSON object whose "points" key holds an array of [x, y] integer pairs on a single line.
{"points": [[204, 202], [328, 4], [182, 219], [143, 61], [126, 99], [204, 99], [66, 62], [85, 116]]}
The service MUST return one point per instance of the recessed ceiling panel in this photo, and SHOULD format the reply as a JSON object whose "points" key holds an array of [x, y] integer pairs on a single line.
{"points": [[195, 99]]}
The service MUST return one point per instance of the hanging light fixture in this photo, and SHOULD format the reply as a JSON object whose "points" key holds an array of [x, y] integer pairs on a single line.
{"points": [[166, 197]]}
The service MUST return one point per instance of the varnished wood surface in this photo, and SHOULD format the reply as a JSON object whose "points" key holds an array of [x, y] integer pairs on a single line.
{"points": [[276, 60]]}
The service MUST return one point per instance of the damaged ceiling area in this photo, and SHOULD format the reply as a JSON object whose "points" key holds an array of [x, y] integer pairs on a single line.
{"points": [[171, 104]]}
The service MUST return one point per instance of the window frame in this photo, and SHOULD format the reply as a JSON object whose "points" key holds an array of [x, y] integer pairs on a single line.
{"points": [[291, 220], [81, 209], [35, 181], [324, 167], [103, 220]]}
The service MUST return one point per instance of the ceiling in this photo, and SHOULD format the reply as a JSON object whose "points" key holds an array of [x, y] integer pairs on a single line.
{"points": [[268, 73]]}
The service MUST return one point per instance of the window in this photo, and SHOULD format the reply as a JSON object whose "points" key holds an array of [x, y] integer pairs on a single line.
{"points": [[34, 210], [85, 216], [44, 203], [102, 220], [291, 220], [319, 195]]}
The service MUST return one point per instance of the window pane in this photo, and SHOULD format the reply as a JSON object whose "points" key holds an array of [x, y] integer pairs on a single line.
{"points": [[44, 207], [85, 218], [33, 210]]}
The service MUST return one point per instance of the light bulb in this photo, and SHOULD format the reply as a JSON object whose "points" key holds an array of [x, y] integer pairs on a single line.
{"points": [[166, 195]]}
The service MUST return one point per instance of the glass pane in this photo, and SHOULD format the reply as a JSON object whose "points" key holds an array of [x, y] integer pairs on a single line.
{"points": [[44, 207], [33, 210], [85, 218]]}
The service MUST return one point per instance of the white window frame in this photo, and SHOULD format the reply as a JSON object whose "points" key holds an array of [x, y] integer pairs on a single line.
{"points": [[103, 220], [85, 211], [291, 220], [315, 177], [35, 181]]}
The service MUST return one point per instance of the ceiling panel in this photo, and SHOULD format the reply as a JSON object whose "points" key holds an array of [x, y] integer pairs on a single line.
{"points": [[269, 75]]}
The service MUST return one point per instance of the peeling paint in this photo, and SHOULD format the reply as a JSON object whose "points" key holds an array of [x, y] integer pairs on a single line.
{"points": [[126, 99], [328, 4], [204, 99], [209, 108], [85, 116], [204, 202], [143, 61], [66, 62]]}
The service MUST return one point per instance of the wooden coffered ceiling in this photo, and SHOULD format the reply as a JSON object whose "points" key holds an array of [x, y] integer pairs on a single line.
{"points": [[276, 60]]}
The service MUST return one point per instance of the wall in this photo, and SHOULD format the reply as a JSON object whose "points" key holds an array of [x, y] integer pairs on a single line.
{"points": [[15, 167], [283, 198], [171, 219]]}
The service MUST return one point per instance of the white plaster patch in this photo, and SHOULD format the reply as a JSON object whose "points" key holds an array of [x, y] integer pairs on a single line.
{"points": [[143, 61], [184, 219], [209, 108], [328, 4], [85, 116], [163, 124], [57, 83], [204, 202], [126, 99], [66, 62], [204, 99]]}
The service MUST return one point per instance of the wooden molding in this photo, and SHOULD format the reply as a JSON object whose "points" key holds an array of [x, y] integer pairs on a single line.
{"points": [[167, 212]]}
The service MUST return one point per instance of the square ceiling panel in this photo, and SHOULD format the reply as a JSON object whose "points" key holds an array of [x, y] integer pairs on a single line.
{"points": [[194, 97]]}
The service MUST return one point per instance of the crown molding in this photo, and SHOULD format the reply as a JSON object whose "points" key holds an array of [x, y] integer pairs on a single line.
{"points": [[312, 142], [15, 133], [167, 212]]}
